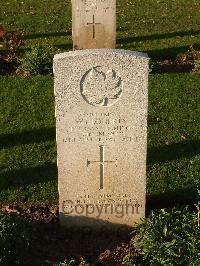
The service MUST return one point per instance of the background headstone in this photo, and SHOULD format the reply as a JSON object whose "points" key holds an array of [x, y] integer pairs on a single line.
{"points": [[93, 24], [101, 114]]}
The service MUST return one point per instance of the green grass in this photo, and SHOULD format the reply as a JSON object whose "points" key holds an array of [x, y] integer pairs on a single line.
{"points": [[27, 135], [162, 28], [28, 156], [27, 130], [173, 137]]}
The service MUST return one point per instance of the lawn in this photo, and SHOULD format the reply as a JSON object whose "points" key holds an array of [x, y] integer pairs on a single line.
{"points": [[28, 155], [161, 28]]}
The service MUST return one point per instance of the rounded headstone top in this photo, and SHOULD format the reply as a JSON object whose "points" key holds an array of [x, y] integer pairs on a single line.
{"points": [[100, 51]]}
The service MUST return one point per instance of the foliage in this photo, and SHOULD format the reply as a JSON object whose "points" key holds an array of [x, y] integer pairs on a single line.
{"points": [[73, 262], [196, 65], [15, 236], [10, 42], [170, 237], [67, 263], [188, 61], [190, 55], [37, 61], [154, 66], [129, 260]]}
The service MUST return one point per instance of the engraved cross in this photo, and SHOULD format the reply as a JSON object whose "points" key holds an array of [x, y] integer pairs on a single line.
{"points": [[93, 26], [102, 163]]}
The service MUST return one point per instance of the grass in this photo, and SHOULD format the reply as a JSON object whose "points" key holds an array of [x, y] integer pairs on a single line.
{"points": [[28, 156], [28, 171], [27, 135], [161, 28], [173, 139]]}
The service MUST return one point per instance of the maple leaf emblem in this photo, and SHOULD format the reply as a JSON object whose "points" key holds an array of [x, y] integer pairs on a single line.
{"points": [[101, 88]]}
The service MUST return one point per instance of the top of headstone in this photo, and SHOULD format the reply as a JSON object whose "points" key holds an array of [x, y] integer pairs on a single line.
{"points": [[103, 51]]}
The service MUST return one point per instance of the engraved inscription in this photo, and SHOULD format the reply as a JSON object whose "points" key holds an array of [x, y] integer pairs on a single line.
{"points": [[91, 4], [102, 164], [100, 87], [100, 127]]}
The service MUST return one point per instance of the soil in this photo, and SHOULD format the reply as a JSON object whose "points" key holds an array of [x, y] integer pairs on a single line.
{"points": [[170, 66], [51, 243]]}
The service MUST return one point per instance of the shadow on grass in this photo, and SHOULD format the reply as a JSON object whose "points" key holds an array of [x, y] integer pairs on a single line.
{"points": [[174, 151], [170, 152], [27, 137], [44, 173], [166, 53], [47, 34], [27, 176], [157, 36], [185, 196], [170, 53], [67, 46]]}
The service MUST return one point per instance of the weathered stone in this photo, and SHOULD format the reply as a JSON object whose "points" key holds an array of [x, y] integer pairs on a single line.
{"points": [[101, 122], [94, 24]]}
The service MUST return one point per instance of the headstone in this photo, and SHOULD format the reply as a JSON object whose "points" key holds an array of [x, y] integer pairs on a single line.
{"points": [[93, 24], [101, 122]]}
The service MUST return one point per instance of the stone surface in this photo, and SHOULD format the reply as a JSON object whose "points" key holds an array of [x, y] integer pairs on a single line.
{"points": [[93, 24], [101, 123]]}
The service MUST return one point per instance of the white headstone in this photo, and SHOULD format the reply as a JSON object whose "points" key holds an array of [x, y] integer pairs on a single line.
{"points": [[101, 122], [93, 24]]}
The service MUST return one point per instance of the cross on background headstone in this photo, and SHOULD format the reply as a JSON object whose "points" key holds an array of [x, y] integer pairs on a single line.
{"points": [[93, 25], [103, 11], [102, 164]]}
